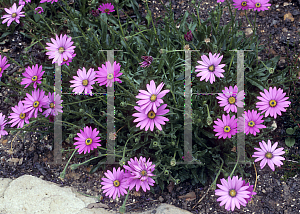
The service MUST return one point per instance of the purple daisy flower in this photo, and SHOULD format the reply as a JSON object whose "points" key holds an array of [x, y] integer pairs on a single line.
{"points": [[39, 10], [33, 75], [115, 183], [18, 117], [87, 140], [231, 98], [49, 1], [54, 105], [273, 102], [3, 64], [14, 14], [218, 1], [106, 8], [241, 4], [68, 60], [259, 5], [148, 120], [188, 36], [210, 67], [253, 122], [227, 127], [151, 99], [233, 193], [147, 61], [139, 172], [34, 103], [106, 74], [83, 81], [268, 154], [60, 49], [21, 2], [2, 125]]}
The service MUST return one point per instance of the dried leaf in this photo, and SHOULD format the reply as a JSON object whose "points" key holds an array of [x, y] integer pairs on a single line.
{"points": [[189, 196], [97, 205], [233, 149], [288, 16], [170, 186]]}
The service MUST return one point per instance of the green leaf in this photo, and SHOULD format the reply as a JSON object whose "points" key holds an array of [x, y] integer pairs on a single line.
{"points": [[4, 35], [36, 17], [290, 131], [290, 141]]}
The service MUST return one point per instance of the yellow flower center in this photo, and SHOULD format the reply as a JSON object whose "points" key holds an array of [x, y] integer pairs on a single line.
{"points": [[110, 76], [85, 82], [232, 193], [231, 100], [13, 15], [88, 141], [34, 78], [116, 183], [65, 59], [251, 123], [227, 129], [36, 104], [22, 116], [268, 155], [106, 10], [151, 114], [0, 69], [211, 68], [143, 173], [153, 97], [244, 3], [272, 103], [61, 50], [51, 105], [258, 4]]}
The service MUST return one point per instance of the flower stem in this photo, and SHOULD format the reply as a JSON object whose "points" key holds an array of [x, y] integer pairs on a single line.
{"points": [[123, 208], [235, 166], [63, 173]]}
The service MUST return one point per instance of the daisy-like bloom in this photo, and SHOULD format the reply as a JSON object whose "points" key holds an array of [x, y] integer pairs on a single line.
{"points": [[106, 8], [21, 2], [87, 140], [253, 122], [139, 173], [3, 64], [39, 10], [18, 117], [269, 154], [49, 1], [34, 103], [259, 5], [148, 120], [106, 74], [231, 98], [188, 36], [115, 183], [83, 81], [234, 193], [68, 60], [60, 49], [220, 1], [14, 14], [147, 61], [210, 67], [2, 125], [151, 99], [241, 4], [227, 127], [273, 102], [33, 75], [53, 105]]}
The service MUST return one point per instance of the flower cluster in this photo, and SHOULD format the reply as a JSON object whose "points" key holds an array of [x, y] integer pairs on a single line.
{"points": [[256, 5]]}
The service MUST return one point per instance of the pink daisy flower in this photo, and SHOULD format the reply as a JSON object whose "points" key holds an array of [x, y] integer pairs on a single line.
{"points": [[106, 8], [33, 75], [18, 117], [231, 98], [53, 106], [218, 1], [68, 60], [268, 154], [3, 64], [259, 5], [253, 122], [115, 183], [148, 120], [147, 61], [273, 102], [210, 67], [139, 173], [227, 127], [87, 140], [60, 49], [21, 2], [49, 1], [39, 10], [106, 74], [151, 99], [241, 4], [34, 103], [2, 125], [14, 14], [234, 193], [83, 81]]}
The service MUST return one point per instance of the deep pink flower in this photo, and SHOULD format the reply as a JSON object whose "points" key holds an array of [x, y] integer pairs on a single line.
{"points": [[106, 74], [147, 61], [87, 140], [252, 122], [39, 10], [18, 117], [227, 127], [53, 105], [83, 81], [218, 1], [32, 75], [268, 154], [2, 125], [106, 8], [3, 64], [241, 4], [14, 14], [231, 99], [273, 102], [49, 1], [95, 13], [188, 36], [259, 5], [34, 103]]}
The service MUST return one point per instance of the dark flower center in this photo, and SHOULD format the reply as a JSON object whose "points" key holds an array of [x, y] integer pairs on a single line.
{"points": [[116, 183], [244, 3], [251, 123], [85, 82], [269, 155], [272, 103], [13, 15], [51, 105], [110, 76], [88, 141], [151, 114], [36, 104], [61, 50], [106, 10], [34, 78], [231, 100], [258, 4], [232, 193], [211, 68], [143, 173], [22, 116], [227, 129], [153, 97]]}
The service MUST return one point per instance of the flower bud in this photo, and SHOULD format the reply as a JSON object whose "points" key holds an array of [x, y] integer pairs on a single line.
{"points": [[81, 110], [168, 86], [120, 115], [155, 143], [173, 143], [123, 104], [173, 162], [166, 172], [209, 121], [122, 162], [271, 70]]}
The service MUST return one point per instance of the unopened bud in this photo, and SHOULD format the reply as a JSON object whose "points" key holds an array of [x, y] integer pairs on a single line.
{"points": [[173, 162], [209, 121]]}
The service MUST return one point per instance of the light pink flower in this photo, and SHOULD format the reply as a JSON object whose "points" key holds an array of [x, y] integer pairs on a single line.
{"points": [[32, 75], [252, 122], [18, 117], [14, 14], [53, 106], [3, 64], [241, 4], [2, 125], [227, 127], [230, 98], [34, 103], [83, 81], [106, 74], [259, 5], [21, 2], [68, 60]]}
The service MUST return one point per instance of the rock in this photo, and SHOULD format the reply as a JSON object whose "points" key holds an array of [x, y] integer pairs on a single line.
{"points": [[248, 31]]}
